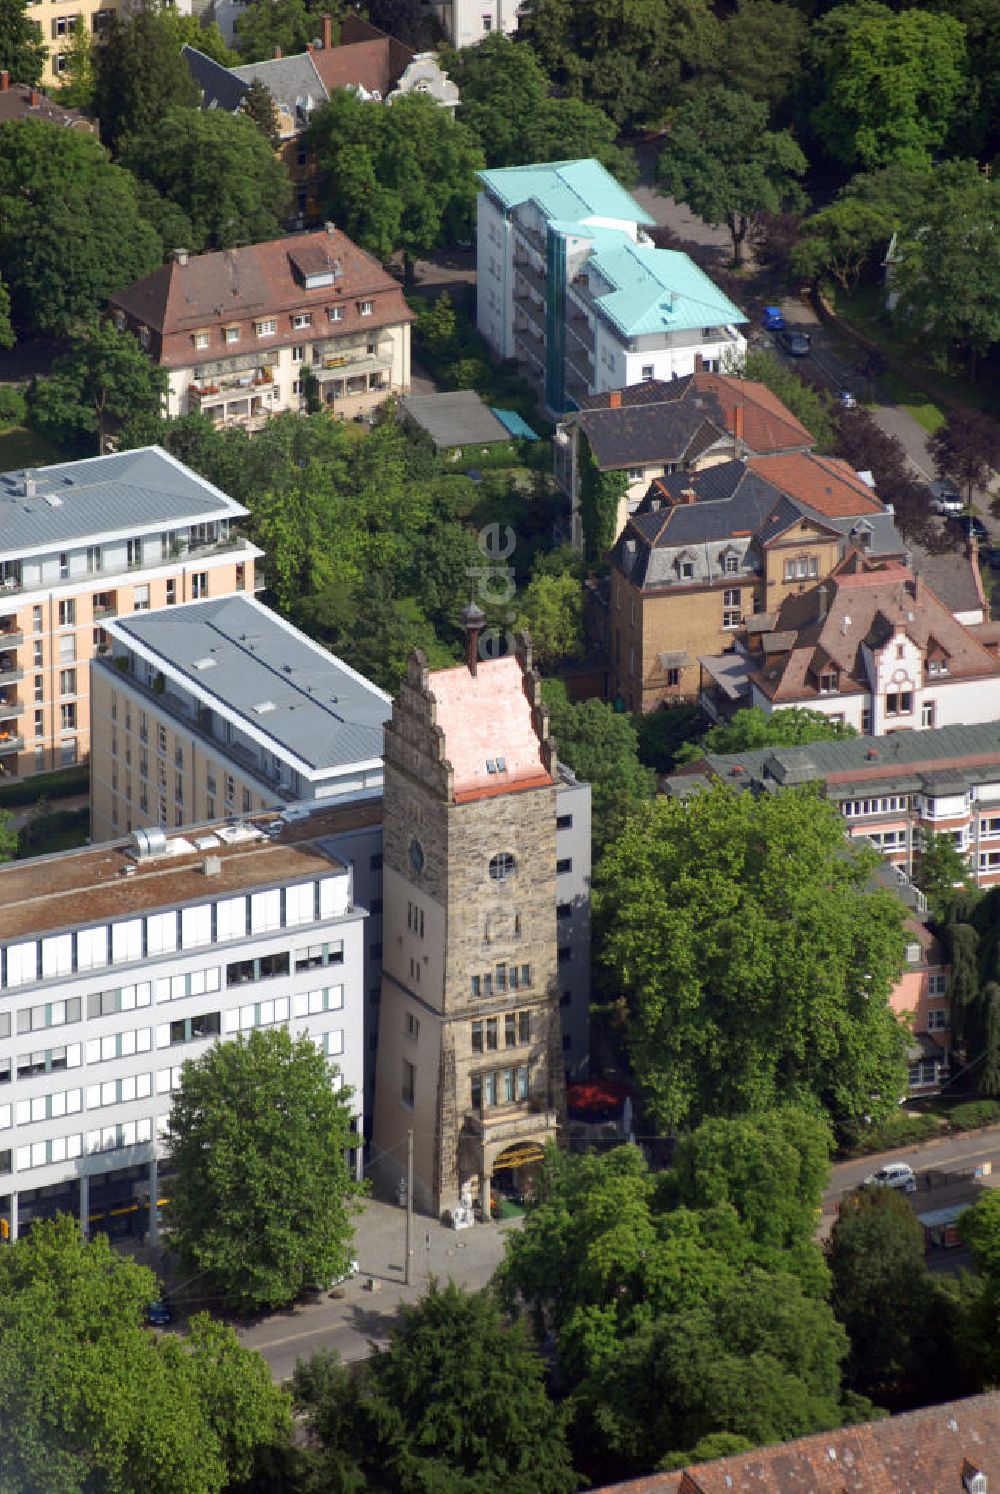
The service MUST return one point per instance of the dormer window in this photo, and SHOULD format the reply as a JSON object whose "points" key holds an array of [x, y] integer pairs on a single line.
{"points": [[937, 666], [200, 340], [685, 567], [829, 681], [268, 327], [120, 321], [144, 337], [730, 562], [231, 334], [302, 319], [366, 308], [336, 313]]}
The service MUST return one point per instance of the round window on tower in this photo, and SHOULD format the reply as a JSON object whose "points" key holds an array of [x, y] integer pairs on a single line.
{"points": [[416, 856], [503, 866]]}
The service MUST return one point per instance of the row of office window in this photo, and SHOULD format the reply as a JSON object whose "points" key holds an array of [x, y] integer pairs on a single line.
{"points": [[66, 1148], [136, 939], [516, 1032], [504, 978], [499, 1087]]}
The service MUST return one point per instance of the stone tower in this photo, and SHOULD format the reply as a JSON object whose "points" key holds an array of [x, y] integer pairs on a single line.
{"points": [[469, 1052]]}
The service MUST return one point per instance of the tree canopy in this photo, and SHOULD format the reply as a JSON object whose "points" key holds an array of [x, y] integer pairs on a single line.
{"points": [[22, 50], [290, 25], [262, 1200], [601, 746], [90, 1398], [723, 161], [671, 1322], [456, 1402], [395, 179], [755, 964], [507, 105], [60, 193], [967, 450], [104, 380], [752, 728], [631, 58], [140, 73], [889, 84], [219, 169]]}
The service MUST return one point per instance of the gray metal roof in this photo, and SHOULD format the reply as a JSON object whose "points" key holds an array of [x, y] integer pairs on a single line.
{"points": [[220, 88], [262, 670], [131, 492], [918, 755], [459, 418]]}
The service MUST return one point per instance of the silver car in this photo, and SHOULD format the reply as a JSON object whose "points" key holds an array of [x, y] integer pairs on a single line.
{"points": [[893, 1175]]}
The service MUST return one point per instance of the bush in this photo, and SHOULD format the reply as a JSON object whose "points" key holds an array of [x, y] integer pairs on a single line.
{"points": [[974, 1114], [62, 784], [899, 1130], [13, 406]]}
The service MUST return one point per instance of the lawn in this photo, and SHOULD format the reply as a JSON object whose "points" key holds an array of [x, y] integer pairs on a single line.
{"points": [[863, 310], [20, 447]]}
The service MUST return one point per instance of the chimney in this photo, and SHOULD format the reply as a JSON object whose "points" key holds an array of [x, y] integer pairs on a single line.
{"points": [[34, 98], [738, 428], [472, 619], [615, 399], [689, 496], [4, 81], [327, 32], [331, 229], [277, 54], [180, 256], [822, 602]]}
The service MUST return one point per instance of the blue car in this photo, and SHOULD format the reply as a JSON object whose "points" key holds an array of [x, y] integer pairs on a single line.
{"points": [[774, 319], [158, 1313]]}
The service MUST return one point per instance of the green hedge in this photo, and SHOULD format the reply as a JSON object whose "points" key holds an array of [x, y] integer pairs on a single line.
{"points": [[974, 1114], [64, 783], [901, 1130]]}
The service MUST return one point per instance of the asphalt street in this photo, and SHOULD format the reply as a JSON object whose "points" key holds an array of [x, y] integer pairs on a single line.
{"points": [[368, 1307]]}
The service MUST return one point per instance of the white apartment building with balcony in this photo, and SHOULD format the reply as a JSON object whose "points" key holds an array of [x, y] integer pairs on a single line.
{"points": [[570, 284], [224, 708], [82, 543], [119, 962]]}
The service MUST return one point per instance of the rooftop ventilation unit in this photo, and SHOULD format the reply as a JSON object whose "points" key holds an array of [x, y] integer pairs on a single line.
{"points": [[149, 843]]}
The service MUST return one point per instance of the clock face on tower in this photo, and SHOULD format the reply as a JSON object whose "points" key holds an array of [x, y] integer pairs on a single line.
{"points": [[416, 856]]}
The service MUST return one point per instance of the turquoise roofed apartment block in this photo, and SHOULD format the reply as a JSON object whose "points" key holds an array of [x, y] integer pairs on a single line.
{"points": [[572, 287]]}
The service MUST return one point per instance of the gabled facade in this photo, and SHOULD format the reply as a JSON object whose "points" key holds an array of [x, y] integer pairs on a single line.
{"points": [[709, 557], [657, 428], [470, 1057], [874, 647], [82, 543], [466, 22], [237, 330], [570, 284]]}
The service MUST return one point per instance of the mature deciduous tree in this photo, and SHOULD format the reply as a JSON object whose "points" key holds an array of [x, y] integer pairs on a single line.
{"points": [[808, 404], [191, 32], [263, 1198], [399, 178], [842, 240], [755, 964], [219, 170], [76, 82], [967, 449], [102, 381], [751, 728], [631, 58], [552, 612], [887, 85], [724, 162], [90, 1398], [979, 1227], [942, 872], [761, 52], [22, 51], [456, 1402], [285, 26], [140, 74], [60, 193], [600, 745], [506, 103]]}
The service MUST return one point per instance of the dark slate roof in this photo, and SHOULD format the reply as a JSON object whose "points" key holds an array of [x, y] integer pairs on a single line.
{"points": [[293, 82], [650, 392], [220, 88], [951, 575], [457, 418], [667, 432]]}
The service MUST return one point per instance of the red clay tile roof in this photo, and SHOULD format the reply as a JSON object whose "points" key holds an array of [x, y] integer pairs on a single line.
{"points": [[365, 56], [863, 603], [259, 281], [921, 1452], [827, 484], [768, 426]]}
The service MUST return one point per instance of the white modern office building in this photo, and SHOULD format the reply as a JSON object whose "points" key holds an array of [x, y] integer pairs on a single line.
{"points": [[571, 285], [119, 962]]}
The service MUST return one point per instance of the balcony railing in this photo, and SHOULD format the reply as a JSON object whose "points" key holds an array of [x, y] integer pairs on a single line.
{"points": [[9, 744], [253, 379], [11, 638], [10, 672], [10, 708]]}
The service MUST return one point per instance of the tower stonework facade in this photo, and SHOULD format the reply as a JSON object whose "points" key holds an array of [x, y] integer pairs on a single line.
{"points": [[470, 1049]]}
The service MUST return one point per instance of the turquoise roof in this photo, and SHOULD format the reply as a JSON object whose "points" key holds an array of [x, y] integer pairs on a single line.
{"points": [[568, 190], [514, 423], [658, 290]]}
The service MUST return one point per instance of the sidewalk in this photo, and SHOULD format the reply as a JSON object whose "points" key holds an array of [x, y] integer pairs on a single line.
{"points": [[349, 1324]]}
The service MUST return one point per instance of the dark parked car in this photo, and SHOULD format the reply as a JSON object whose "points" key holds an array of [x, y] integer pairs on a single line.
{"points": [[995, 558], [969, 525], [158, 1313], [795, 344]]}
